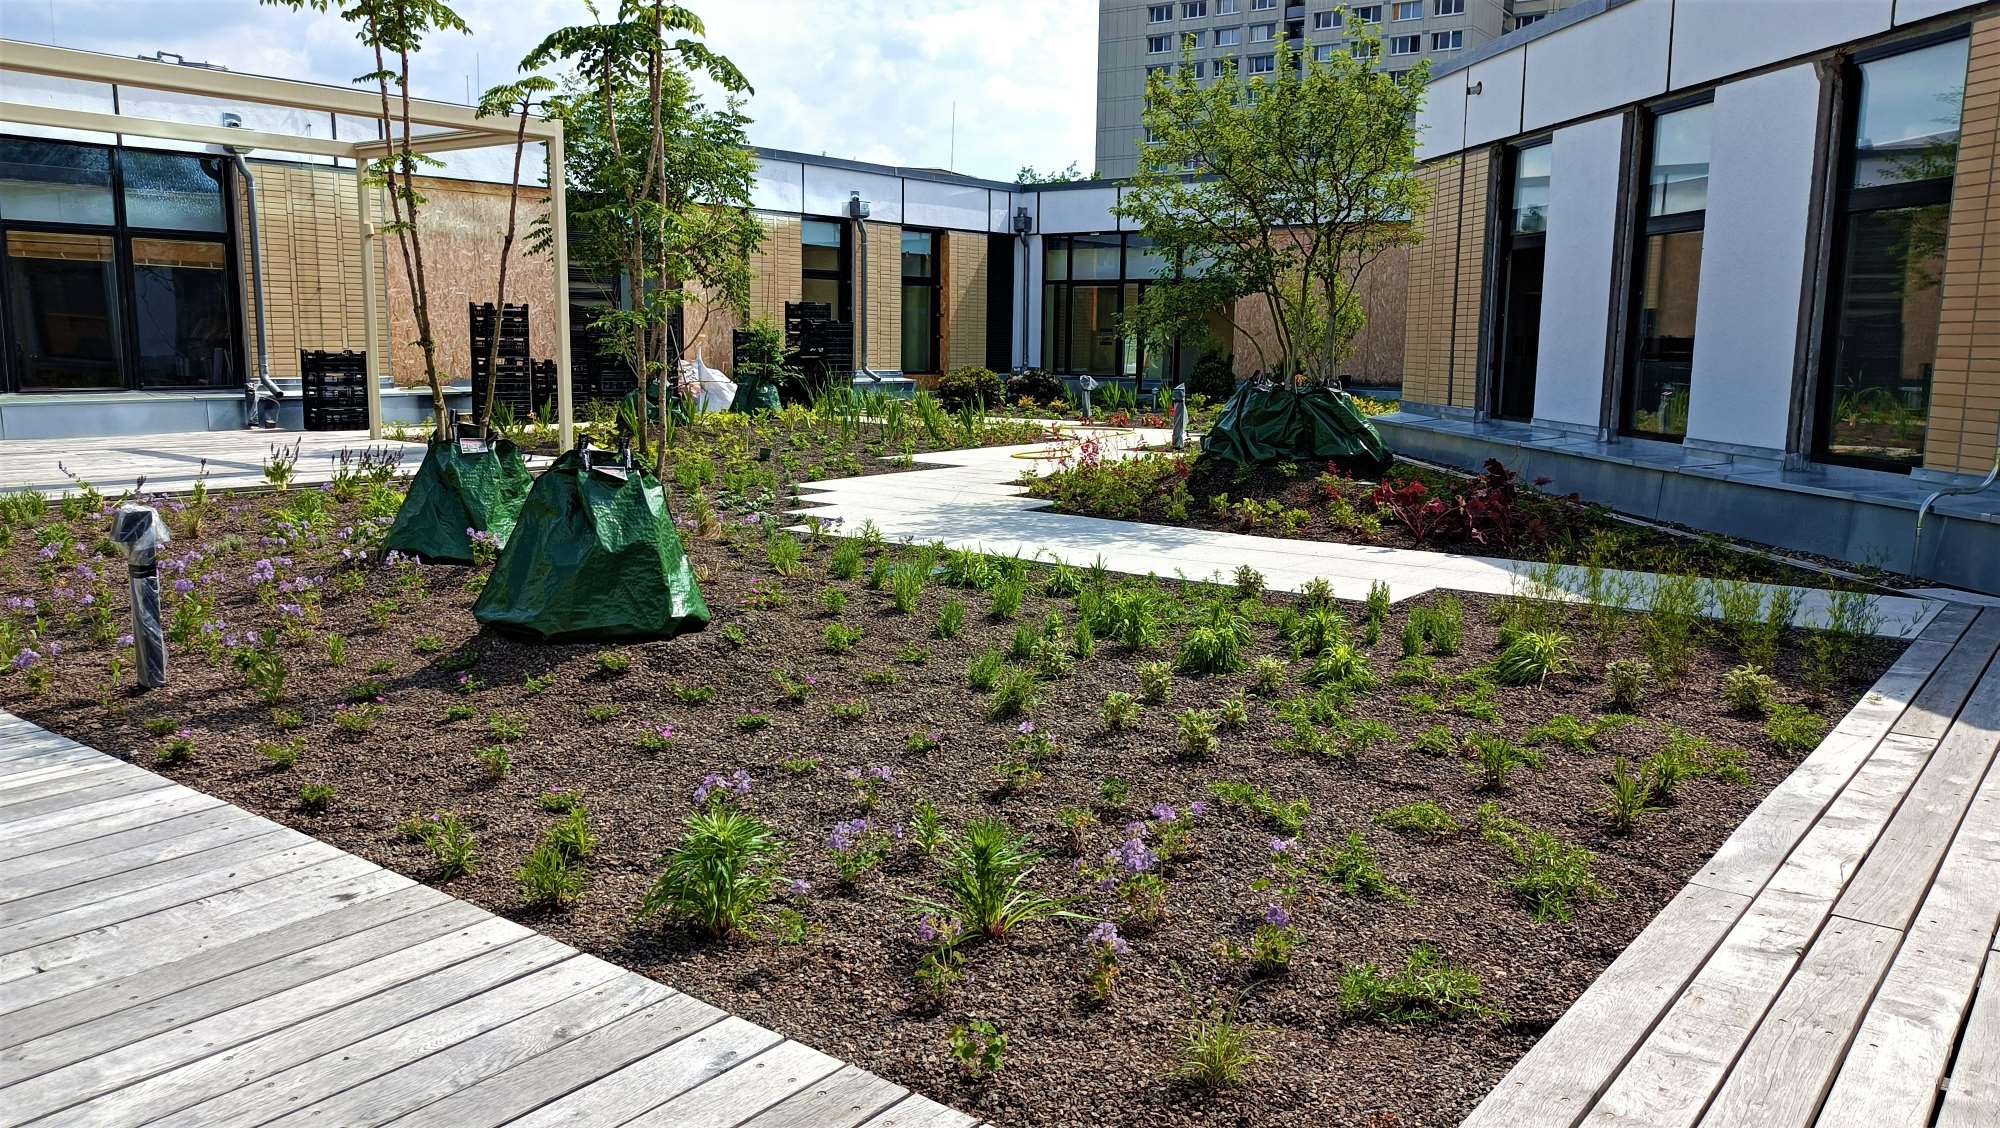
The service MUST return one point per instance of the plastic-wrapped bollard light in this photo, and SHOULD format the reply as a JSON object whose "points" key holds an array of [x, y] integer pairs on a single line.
{"points": [[1180, 417], [139, 530], [1086, 384]]}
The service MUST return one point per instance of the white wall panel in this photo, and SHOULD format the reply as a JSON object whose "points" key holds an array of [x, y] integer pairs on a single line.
{"points": [[1078, 210], [1441, 119], [1608, 60], [1713, 38], [1495, 111], [1753, 258], [827, 190], [778, 186], [1576, 289], [58, 93], [1909, 11], [928, 203]]}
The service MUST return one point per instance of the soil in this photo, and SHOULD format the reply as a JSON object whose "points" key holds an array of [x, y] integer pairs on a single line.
{"points": [[846, 987]]}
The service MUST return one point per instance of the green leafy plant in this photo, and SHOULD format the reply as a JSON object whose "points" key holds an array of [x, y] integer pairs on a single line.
{"points": [[984, 670], [1625, 684], [496, 760], [979, 1048], [1531, 657], [1631, 795], [986, 883], [550, 878], [315, 797], [720, 875], [1018, 694], [452, 844], [1156, 682], [282, 757], [1794, 729], [1268, 675], [1494, 759], [572, 836], [839, 638], [1423, 819], [1426, 989], [1354, 868], [1748, 689], [1121, 711], [1198, 738]]}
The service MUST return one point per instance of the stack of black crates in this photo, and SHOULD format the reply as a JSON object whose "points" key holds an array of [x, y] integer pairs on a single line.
{"points": [[597, 373], [336, 389], [818, 347], [521, 387]]}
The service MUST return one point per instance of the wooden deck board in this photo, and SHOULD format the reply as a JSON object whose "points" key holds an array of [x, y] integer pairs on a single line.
{"points": [[241, 1081], [1787, 1066], [744, 1091], [1974, 1098], [105, 1056], [657, 1078], [166, 871], [224, 827], [848, 1098], [516, 1092]]}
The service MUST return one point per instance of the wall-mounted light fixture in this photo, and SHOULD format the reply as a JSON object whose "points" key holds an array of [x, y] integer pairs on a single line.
{"points": [[1475, 88], [857, 208], [1024, 224]]}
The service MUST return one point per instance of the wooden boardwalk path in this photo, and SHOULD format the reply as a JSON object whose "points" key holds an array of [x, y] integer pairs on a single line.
{"points": [[169, 959], [1834, 964]]}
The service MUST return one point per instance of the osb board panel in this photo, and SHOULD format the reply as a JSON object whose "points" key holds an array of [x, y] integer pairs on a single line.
{"points": [[460, 227], [885, 296], [1965, 384]]}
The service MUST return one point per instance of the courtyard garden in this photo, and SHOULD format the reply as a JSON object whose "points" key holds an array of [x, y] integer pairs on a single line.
{"points": [[1044, 842]]}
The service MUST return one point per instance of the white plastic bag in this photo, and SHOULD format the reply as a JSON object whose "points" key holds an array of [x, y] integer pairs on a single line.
{"points": [[717, 391]]}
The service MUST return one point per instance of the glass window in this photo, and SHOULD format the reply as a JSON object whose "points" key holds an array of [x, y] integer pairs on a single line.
{"points": [[1055, 259], [1141, 260], [1407, 10], [62, 294], [1094, 257], [1405, 44], [1678, 181], [1228, 36], [1093, 330], [1263, 64], [826, 270], [1448, 8], [1531, 189], [172, 191], [1159, 13], [55, 182], [1907, 126], [1447, 40], [1367, 13], [920, 301], [1669, 284], [1325, 20], [181, 328], [1263, 33], [1882, 328], [820, 241], [1228, 7]]}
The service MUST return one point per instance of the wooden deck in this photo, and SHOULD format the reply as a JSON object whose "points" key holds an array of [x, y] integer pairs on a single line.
{"points": [[1834, 964], [168, 959]]}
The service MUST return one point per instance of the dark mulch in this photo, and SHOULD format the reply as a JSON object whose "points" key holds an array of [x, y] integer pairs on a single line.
{"points": [[847, 988]]}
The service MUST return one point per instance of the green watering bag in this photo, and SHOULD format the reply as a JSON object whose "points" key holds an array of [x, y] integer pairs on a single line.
{"points": [[474, 485], [594, 557]]}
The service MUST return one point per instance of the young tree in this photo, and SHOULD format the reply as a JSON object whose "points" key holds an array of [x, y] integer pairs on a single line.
{"points": [[395, 30], [1284, 189], [502, 101], [659, 181]]}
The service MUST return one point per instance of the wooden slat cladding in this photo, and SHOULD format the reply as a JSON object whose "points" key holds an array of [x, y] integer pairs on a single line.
{"points": [[1965, 387], [1447, 284]]}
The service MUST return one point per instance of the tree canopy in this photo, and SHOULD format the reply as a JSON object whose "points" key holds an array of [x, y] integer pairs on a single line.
{"points": [[1285, 188]]}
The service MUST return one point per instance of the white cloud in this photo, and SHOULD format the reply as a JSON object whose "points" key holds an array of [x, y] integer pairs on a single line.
{"points": [[864, 79]]}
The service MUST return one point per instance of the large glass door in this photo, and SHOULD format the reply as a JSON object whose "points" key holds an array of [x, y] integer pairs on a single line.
{"points": [[1511, 392]]}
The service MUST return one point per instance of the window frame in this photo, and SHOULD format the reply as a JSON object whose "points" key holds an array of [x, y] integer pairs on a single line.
{"points": [[843, 275], [1506, 242], [1194, 9], [1844, 201], [1153, 15], [1397, 45], [1447, 7], [1452, 40], [1058, 345], [935, 284], [124, 278], [1398, 7], [1235, 31], [1645, 225]]}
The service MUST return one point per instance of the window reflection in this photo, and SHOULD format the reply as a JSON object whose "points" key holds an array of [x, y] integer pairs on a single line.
{"points": [[62, 292]]}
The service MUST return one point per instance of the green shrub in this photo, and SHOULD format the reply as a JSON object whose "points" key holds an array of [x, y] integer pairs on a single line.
{"points": [[1156, 682], [1017, 695], [971, 386], [1625, 683], [983, 671], [1531, 657], [986, 890], [1631, 794], [951, 619], [315, 797], [1121, 711], [1748, 689], [1435, 741], [1268, 675], [1198, 739], [1494, 759], [1216, 1052]]}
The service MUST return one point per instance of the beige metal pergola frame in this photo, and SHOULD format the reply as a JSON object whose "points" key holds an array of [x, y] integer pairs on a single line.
{"points": [[460, 128]]}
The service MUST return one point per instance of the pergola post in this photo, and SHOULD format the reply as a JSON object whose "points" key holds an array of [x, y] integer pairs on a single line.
{"points": [[559, 232], [371, 340]]}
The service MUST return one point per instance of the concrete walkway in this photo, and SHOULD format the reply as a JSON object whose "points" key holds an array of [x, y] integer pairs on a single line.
{"points": [[169, 959], [969, 500], [172, 463]]}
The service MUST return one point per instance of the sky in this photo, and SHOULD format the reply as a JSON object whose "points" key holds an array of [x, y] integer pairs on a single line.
{"points": [[871, 80]]}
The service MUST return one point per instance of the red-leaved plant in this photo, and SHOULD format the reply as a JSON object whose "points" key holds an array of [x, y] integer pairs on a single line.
{"points": [[1412, 506]]}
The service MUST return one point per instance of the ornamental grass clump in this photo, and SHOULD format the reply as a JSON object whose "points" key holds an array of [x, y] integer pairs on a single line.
{"points": [[1631, 796], [1424, 819], [1018, 695], [550, 879], [1217, 1051], [1354, 868], [1531, 657], [986, 883], [720, 876]]}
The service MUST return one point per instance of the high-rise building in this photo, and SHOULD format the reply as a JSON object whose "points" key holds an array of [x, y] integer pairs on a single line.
{"points": [[1137, 37]]}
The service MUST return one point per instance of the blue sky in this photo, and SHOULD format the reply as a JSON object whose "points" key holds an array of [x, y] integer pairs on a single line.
{"points": [[865, 79]]}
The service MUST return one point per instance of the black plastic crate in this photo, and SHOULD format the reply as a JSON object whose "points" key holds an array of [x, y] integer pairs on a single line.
{"points": [[335, 387]]}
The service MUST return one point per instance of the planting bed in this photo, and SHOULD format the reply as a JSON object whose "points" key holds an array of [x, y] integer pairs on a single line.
{"points": [[1494, 513], [835, 964]]}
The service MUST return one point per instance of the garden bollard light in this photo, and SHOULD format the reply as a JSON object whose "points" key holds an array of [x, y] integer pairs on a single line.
{"points": [[1085, 385], [1180, 416], [140, 532]]}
